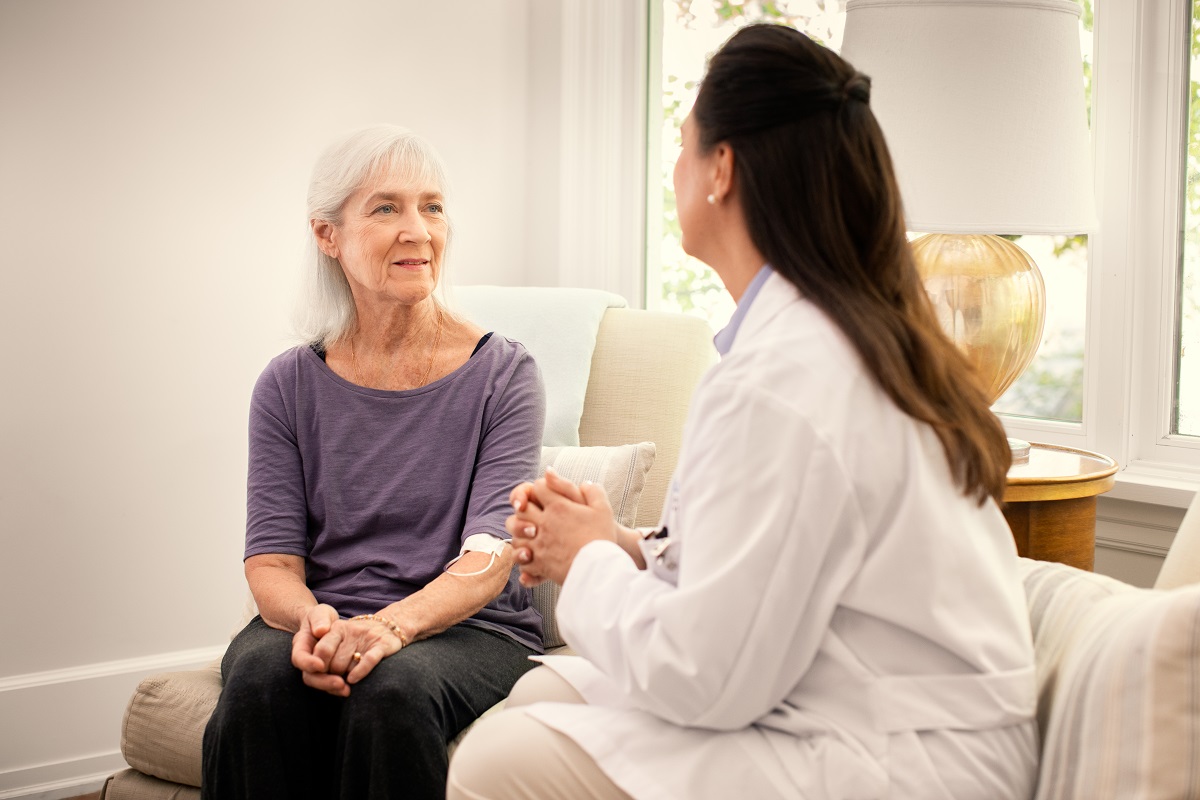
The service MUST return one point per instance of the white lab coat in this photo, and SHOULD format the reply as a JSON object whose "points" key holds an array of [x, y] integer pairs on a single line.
{"points": [[843, 624]]}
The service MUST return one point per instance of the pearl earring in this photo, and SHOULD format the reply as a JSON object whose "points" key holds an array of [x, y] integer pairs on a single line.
{"points": [[712, 200]]}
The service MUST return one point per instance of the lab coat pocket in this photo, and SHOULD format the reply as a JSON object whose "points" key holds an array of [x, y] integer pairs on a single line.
{"points": [[850, 776], [825, 766], [913, 772], [662, 558]]}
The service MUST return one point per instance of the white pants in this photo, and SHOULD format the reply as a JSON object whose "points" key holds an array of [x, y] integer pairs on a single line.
{"points": [[512, 756]]}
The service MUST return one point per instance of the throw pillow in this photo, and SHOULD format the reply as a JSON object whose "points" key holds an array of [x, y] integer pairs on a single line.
{"points": [[621, 470], [1120, 698]]}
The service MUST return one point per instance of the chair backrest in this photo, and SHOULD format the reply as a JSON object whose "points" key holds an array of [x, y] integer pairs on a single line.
{"points": [[1182, 564], [644, 369]]}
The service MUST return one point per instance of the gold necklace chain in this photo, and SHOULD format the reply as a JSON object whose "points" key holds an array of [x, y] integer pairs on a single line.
{"points": [[437, 340], [433, 351]]}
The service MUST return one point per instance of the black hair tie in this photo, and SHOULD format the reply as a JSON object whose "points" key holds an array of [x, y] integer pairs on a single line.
{"points": [[858, 87]]}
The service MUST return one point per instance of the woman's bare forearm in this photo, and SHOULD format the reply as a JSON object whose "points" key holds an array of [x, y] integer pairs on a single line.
{"points": [[277, 583], [453, 596]]}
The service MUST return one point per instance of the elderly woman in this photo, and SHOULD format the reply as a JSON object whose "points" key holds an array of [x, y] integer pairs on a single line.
{"points": [[382, 454], [832, 607]]}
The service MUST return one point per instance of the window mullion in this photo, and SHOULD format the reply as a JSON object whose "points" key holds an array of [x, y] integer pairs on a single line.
{"points": [[1110, 350], [1163, 83]]}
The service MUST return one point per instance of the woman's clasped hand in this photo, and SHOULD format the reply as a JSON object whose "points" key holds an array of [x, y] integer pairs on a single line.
{"points": [[333, 654], [571, 516]]}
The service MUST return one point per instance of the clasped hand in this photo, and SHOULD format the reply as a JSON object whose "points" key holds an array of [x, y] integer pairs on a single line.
{"points": [[553, 519], [325, 649]]}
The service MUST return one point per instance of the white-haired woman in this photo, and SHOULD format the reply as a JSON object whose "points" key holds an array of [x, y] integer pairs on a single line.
{"points": [[382, 453]]}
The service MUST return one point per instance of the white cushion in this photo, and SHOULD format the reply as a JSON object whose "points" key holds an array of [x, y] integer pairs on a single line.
{"points": [[1182, 564], [558, 326]]}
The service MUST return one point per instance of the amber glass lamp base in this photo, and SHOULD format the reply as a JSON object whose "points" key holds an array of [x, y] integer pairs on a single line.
{"points": [[990, 300]]}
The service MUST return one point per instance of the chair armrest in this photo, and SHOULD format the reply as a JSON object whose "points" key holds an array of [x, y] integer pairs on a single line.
{"points": [[163, 730]]}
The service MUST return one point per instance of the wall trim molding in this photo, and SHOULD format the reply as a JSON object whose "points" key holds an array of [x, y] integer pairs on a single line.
{"points": [[1128, 546], [1150, 526], [103, 669], [88, 774], [62, 727]]}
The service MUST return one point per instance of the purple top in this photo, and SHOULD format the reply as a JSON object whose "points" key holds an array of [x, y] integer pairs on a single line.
{"points": [[377, 490]]}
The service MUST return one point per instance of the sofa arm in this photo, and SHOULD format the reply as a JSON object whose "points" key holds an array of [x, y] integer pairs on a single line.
{"points": [[129, 784], [163, 730]]}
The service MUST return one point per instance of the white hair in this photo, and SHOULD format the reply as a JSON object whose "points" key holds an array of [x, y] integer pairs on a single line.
{"points": [[325, 312]]}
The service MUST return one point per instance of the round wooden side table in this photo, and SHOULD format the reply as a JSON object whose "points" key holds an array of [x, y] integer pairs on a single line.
{"points": [[1050, 503]]}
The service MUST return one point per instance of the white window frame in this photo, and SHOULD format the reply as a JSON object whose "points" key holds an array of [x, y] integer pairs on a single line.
{"points": [[1142, 48], [1141, 62]]}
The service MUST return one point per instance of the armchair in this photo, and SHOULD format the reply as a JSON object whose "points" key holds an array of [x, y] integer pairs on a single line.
{"points": [[643, 370]]}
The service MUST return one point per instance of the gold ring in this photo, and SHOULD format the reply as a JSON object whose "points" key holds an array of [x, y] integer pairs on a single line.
{"points": [[357, 657]]}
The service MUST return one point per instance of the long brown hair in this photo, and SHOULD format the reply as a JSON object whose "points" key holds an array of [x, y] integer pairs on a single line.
{"points": [[822, 205]]}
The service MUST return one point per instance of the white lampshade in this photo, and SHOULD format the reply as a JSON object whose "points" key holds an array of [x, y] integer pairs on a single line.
{"points": [[982, 105]]}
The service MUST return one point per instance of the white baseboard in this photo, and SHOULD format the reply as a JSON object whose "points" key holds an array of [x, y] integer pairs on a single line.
{"points": [[61, 728], [35, 789]]}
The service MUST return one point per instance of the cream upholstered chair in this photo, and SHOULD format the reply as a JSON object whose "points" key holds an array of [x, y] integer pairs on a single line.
{"points": [[1118, 704], [644, 368], [1182, 564]]}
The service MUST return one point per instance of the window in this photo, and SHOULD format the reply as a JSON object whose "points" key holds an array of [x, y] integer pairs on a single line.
{"points": [[1119, 368], [692, 30], [1186, 416], [1052, 386], [1137, 402]]}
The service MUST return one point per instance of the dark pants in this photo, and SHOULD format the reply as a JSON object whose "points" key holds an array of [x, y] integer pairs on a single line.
{"points": [[273, 737]]}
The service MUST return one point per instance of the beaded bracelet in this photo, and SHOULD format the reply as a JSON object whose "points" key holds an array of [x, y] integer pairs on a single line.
{"points": [[393, 627]]}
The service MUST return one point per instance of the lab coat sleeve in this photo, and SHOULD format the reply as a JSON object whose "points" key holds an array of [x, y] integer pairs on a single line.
{"points": [[771, 533]]}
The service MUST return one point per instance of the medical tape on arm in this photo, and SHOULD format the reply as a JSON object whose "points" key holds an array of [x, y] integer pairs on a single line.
{"points": [[478, 543]]}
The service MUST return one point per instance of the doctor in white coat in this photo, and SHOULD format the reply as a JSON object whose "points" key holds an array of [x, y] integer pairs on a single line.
{"points": [[831, 607]]}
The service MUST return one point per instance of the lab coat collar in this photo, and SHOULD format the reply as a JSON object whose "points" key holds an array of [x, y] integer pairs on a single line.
{"points": [[775, 294], [724, 338]]}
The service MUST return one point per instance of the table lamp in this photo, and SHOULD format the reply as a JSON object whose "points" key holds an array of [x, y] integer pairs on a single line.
{"points": [[982, 104]]}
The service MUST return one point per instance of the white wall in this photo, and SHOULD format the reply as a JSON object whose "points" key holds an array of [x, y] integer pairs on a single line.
{"points": [[153, 163], [544, 143]]}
